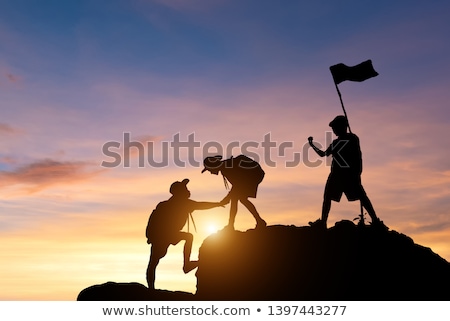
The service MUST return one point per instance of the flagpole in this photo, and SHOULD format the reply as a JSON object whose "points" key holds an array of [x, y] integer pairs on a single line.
{"points": [[343, 108]]}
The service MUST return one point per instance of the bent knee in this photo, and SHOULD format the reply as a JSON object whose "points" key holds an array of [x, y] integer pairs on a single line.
{"points": [[187, 236], [244, 200]]}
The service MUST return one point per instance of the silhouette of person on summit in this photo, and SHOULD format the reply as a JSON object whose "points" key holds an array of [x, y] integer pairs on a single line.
{"points": [[245, 175], [346, 169], [165, 224]]}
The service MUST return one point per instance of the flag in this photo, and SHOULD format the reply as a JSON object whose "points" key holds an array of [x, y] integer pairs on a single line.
{"points": [[359, 72]]}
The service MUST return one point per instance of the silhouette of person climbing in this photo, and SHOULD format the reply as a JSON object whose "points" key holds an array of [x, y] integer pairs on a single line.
{"points": [[165, 224], [346, 169], [245, 175]]}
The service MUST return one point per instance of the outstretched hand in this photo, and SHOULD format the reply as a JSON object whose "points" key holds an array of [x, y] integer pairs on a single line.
{"points": [[310, 140]]}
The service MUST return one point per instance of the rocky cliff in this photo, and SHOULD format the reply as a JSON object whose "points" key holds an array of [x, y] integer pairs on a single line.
{"points": [[345, 262]]}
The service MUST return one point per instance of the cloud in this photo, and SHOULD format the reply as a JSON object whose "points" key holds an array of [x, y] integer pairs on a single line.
{"points": [[8, 77], [42, 174], [436, 227], [12, 78], [6, 129], [165, 15], [8, 160]]}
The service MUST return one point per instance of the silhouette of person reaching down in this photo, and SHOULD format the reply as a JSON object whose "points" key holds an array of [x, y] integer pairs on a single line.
{"points": [[165, 224], [245, 175], [346, 169]]}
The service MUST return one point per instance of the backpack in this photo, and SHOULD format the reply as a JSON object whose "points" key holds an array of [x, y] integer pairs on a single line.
{"points": [[167, 218], [242, 170]]}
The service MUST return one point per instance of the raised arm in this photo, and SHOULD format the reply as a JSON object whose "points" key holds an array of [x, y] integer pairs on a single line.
{"points": [[319, 152]]}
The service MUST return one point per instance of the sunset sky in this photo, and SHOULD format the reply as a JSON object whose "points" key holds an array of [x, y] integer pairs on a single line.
{"points": [[76, 75]]}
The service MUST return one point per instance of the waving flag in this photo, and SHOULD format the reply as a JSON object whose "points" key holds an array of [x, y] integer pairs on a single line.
{"points": [[359, 72]]}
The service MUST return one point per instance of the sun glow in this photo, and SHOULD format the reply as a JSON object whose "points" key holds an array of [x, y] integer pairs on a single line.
{"points": [[211, 228]]}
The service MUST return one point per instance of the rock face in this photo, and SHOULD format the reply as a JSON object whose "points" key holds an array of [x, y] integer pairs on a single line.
{"points": [[345, 262], [112, 291]]}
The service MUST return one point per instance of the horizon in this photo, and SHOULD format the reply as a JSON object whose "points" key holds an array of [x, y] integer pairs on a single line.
{"points": [[196, 77]]}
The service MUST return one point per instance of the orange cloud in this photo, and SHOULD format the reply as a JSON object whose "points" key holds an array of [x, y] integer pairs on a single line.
{"points": [[42, 174]]}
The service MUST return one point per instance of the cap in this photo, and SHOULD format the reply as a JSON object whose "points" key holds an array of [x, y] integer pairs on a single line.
{"points": [[175, 187], [211, 162], [339, 121]]}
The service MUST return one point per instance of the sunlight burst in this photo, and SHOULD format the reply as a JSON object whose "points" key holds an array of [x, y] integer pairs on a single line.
{"points": [[212, 229]]}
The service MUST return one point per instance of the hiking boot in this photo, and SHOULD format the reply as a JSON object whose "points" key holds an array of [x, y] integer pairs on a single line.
{"points": [[319, 224], [189, 266], [378, 224]]}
